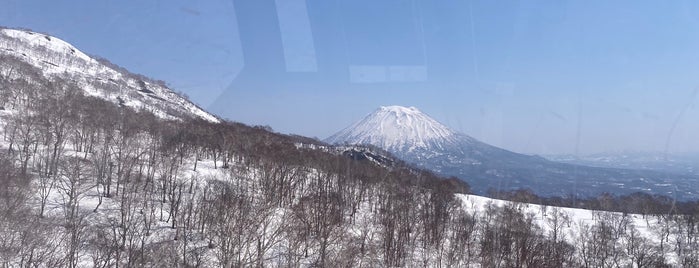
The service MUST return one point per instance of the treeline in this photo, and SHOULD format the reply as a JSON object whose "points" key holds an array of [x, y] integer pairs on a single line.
{"points": [[635, 203], [139, 172], [87, 183]]}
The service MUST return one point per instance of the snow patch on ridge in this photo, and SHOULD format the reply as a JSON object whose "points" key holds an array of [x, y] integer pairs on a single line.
{"points": [[49, 42], [59, 59]]}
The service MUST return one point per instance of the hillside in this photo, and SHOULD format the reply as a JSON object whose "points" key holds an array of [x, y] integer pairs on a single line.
{"points": [[421, 140], [88, 181], [56, 59]]}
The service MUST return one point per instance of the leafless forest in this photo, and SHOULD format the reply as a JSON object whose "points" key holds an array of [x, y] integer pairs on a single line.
{"points": [[88, 183]]}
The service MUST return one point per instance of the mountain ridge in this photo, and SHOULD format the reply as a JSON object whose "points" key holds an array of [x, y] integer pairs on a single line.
{"points": [[93, 183], [58, 59], [397, 128], [487, 168]]}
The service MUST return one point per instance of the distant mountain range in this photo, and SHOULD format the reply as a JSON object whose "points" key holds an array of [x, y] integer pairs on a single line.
{"points": [[419, 139], [680, 163]]}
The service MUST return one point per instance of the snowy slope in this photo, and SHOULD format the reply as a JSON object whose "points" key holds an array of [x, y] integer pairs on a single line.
{"points": [[573, 222], [58, 59], [397, 128], [419, 139]]}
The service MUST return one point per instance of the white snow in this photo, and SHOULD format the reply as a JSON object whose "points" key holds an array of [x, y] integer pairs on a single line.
{"points": [[49, 42], [577, 220], [59, 59], [396, 128]]}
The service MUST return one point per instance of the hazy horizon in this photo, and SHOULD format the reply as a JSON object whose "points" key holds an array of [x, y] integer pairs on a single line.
{"points": [[557, 78]]}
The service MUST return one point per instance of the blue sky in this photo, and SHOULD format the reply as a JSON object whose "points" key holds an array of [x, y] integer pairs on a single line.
{"points": [[530, 76]]}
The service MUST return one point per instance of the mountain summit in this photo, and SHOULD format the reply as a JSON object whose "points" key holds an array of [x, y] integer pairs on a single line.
{"points": [[417, 138], [397, 129]]}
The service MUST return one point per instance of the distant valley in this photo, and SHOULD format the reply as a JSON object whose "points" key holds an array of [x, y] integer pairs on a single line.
{"points": [[678, 163]]}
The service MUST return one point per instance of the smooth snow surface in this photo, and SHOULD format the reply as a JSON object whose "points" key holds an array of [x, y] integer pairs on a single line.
{"points": [[396, 128]]}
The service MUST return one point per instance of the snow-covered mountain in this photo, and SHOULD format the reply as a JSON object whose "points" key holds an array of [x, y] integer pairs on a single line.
{"points": [[107, 191], [57, 59], [419, 139], [406, 132], [397, 128]]}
